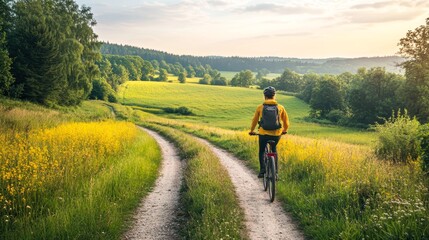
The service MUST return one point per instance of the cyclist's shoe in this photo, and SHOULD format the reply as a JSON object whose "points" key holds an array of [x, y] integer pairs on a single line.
{"points": [[261, 175]]}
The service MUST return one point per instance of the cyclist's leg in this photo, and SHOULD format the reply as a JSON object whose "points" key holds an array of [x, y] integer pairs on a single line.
{"points": [[262, 143]]}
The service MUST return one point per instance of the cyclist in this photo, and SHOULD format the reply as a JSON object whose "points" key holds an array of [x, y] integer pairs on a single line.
{"points": [[267, 135]]}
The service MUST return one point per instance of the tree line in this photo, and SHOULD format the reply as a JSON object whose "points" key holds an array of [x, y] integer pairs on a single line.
{"points": [[370, 95], [273, 64], [363, 98]]}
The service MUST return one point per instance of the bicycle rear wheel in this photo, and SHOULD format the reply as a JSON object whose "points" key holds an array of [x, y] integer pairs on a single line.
{"points": [[265, 179], [271, 178]]}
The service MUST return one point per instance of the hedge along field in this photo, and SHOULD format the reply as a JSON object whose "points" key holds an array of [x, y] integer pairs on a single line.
{"points": [[229, 107], [209, 200], [336, 190], [68, 180]]}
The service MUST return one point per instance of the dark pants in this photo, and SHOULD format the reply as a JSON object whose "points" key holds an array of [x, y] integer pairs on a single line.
{"points": [[263, 140]]}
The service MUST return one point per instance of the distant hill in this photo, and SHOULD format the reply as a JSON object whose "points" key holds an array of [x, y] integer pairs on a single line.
{"points": [[273, 64]]}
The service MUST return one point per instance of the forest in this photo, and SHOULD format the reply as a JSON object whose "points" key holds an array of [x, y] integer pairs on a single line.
{"points": [[273, 64]]}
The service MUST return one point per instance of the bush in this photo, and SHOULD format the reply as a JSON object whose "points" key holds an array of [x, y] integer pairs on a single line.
{"points": [[180, 110], [398, 139], [112, 98], [203, 81], [101, 90], [424, 144], [335, 115]]}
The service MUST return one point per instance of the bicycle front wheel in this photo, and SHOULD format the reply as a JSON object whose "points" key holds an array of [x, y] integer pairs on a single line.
{"points": [[271, 178]]}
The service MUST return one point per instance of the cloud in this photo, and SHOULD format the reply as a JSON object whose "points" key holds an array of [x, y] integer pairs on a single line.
{"points": [[385, 11], [150, 13], [377, 17], [217, 3], [374, 5], [280, 9]]}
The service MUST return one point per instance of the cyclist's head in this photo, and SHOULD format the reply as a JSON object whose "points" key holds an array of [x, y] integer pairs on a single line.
{"points": [[269, 92]]}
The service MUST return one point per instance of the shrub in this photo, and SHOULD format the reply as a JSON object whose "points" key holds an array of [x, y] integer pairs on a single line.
{"points": [[180, 110], [182, 77], [398, 139], [335, 115], [101, 90], [424, 144], [112, 98], [203, 81]]}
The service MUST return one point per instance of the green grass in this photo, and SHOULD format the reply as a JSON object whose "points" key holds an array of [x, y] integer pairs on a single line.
{"points": [[21, 115], [336, 190], [230, 108], [209, 201], [97, 207]]}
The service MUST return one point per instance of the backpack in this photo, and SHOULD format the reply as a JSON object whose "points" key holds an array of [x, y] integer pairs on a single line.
{"points": [[270, 119]]}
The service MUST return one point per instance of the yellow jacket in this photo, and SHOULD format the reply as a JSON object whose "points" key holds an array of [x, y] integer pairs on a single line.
{"points": [[283, 116]]}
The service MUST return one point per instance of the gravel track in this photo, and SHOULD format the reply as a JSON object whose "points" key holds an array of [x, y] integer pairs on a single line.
{"points": [[264, 220], [157, 215]]}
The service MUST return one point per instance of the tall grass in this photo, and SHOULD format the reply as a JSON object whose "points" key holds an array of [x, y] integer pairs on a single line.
{"points": [[209, 200], [76, 180], [337, 190], [25, 116]]}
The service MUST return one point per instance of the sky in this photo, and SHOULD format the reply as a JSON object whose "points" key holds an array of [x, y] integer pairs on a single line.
{"points": [[288, 28]]}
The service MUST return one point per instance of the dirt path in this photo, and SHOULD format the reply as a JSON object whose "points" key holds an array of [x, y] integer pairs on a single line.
{"points": [[156, 217], [264, 220]]}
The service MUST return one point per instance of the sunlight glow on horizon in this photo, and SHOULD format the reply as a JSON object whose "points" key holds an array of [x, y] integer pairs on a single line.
{"points": [[304, 29]]}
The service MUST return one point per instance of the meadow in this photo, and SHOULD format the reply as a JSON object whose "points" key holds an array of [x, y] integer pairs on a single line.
{"points": [[70, 172], [335, 190], [230, 108], [331, 181]]}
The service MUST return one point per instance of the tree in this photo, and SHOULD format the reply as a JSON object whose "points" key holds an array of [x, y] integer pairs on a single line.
{"points": [[289, 81], [147, 70], [242, 79], [155, 64], [326, 96], [6, 78], [54, 50], [262, 73], [415, 47], [182, 77], [310, 82], [374, 94], [190, 72], [101, 90], [206, 79], [221, 81], [163, 75]]}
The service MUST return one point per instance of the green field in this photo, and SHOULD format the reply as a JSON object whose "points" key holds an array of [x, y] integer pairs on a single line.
{"points": [[229, 107]]}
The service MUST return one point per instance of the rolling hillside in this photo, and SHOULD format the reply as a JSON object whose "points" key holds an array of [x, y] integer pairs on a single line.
{"points": [[228, 107]]}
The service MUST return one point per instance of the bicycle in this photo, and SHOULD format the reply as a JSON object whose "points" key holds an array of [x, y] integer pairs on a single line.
{"points": [[270, 175]]}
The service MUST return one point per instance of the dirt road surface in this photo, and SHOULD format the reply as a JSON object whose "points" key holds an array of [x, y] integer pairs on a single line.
{"points": [[264, 220], [157, 215]]}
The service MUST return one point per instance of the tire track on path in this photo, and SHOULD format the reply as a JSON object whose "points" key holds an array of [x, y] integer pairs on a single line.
{"points": [[264, 220], [157, 215]]}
